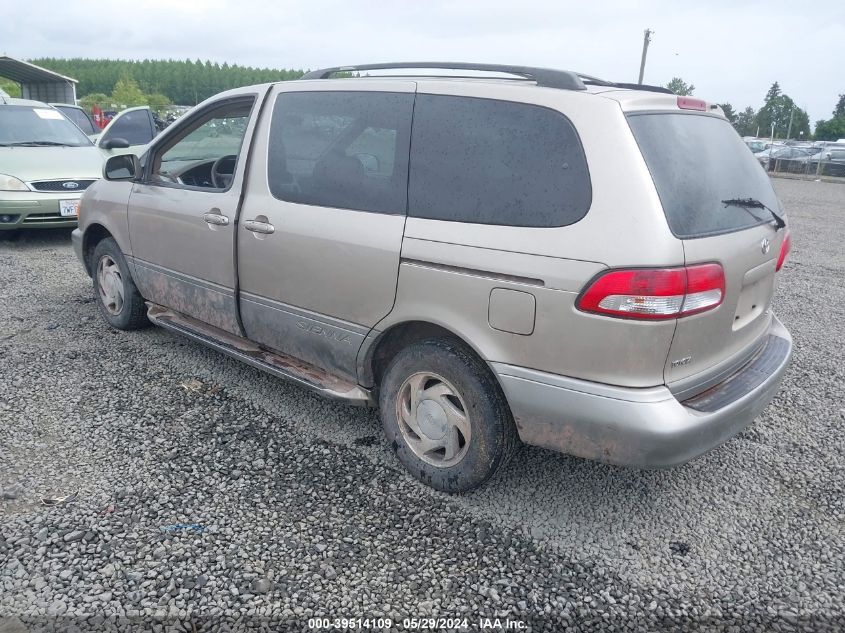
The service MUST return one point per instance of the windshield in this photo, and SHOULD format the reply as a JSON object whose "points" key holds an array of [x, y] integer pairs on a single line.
{"points": [[34, 126], [696, 162]]}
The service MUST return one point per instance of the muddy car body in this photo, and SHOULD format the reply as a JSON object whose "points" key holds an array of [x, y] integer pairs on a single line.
{"points": [[549, 258]]}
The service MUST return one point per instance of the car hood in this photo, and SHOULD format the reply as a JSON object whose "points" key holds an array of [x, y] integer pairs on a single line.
{"points": [[52, 163]]}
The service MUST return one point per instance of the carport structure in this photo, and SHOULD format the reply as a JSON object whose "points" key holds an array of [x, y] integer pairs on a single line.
{"points": [[38, 83]]}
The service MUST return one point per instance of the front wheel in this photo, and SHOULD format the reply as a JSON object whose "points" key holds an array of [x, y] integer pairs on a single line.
{"points": [[445, 416], [120, 303]]}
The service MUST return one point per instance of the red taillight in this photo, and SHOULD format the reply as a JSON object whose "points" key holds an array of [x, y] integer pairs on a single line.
{"points": [[655, 293], [688, 103], [785, 247]]}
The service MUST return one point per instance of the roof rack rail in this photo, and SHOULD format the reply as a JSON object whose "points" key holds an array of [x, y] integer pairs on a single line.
{"points": [[595, 81], [546, 77]]}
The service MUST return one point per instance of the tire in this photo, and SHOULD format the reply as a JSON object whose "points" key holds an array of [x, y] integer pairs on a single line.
{"points": [[117, 297], [474, 445]]}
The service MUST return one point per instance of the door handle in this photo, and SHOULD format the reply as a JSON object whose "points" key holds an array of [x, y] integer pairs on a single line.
{"points": [[215, 219], [257, 226]]}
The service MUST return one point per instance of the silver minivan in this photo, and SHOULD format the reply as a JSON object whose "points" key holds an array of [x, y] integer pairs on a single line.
{"points": [[519, 255]]}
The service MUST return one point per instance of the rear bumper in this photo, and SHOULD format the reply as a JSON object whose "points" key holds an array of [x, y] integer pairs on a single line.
{"points": [[646, 428]]}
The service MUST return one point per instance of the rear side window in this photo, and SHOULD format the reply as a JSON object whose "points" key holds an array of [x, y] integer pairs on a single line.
{"points": [[80, 118], [341, 149], [496, 162], [696, 163], [136, 127]]}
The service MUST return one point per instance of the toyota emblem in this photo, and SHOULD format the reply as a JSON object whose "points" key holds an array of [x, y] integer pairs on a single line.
{"points": [[764, 245], [70, 184]]}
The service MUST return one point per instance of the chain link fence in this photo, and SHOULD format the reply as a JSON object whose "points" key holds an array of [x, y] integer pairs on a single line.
{"points": [[807, 160]]}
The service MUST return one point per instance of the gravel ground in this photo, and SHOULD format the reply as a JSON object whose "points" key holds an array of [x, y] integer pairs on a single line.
{"points": [[286, 506]]}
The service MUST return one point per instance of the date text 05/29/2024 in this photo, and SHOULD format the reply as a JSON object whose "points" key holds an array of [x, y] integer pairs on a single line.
{"points": [[418, 624]]}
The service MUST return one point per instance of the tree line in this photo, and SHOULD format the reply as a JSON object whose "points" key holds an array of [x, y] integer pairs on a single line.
{"points": [[778, 115], [158, 83], [184, 82]]}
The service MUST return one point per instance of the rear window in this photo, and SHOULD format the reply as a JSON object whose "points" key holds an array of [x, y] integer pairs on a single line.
{"points": [[135, 127], [696, 162], [495, 162]]}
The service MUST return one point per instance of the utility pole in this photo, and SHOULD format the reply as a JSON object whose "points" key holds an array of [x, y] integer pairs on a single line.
{"points": [[646, 39], [789, 129]]}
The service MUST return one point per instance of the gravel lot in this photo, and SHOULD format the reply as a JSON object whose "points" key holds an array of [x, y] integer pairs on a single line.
{"points": [[302, 511]]}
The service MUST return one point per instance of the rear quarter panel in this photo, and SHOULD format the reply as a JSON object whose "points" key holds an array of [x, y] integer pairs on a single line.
{"points": [[625, 226]]}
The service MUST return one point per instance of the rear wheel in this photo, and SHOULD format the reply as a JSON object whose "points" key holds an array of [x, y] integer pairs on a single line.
{"points": [[445, 416], [119, 301]]}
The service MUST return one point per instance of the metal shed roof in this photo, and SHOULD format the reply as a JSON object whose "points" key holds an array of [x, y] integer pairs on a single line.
{"points": [[38, 83]]}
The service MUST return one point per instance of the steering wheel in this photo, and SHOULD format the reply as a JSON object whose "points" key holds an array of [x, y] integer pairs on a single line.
{"points": [[223, 171]]}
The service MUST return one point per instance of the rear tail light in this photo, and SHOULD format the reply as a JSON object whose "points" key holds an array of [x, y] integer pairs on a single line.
{"points": [[785, 247], [655, 293]]}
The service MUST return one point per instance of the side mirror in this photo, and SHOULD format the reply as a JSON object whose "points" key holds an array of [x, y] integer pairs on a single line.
{"points": [[122, 167], [114, 143]]}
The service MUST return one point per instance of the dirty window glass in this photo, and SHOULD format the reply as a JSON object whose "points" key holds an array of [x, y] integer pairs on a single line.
{"points": [[495, 162], [210, 142], [696, 162], [346, 150]]}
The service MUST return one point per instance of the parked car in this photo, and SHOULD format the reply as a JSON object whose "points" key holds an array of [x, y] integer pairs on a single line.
{"points": [[80, 117], [46, 163], [789, 159], [833, 162], [129, 131], [563, 261], [757, 145]]}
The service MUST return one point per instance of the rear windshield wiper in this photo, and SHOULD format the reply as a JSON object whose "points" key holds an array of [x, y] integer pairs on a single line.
{"points": [[753, 203]]}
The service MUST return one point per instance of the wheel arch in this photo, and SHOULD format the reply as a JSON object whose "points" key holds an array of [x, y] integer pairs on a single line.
{"points": [[379, 348], [94, 234]]}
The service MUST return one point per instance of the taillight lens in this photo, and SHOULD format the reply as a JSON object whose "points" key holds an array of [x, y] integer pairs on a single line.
{"points": [[655, 293], [785, 247], [688, 103]]}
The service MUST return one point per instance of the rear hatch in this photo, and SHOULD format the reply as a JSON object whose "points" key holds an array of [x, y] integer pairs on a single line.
{"points": [[698, 162]]}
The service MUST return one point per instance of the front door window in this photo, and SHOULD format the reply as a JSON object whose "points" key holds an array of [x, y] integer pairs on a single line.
{"points": [[205, 153]]}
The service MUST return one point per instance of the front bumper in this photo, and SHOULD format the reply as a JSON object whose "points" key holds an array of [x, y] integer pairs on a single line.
{"points": [[24, 210], [645, 428]]}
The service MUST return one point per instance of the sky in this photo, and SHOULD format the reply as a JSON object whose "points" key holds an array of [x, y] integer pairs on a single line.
{"points": [[731, 51]]}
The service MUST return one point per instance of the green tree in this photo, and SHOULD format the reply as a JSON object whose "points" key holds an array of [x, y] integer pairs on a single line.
{"points": [[158, 101], [127, 94], [839, 110], [728, 109], [834, 128], [680, 87], [11, 88], [777, 111], [746, 122], [830, 130], [95, 98], [181, 81], [773, 93]]}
